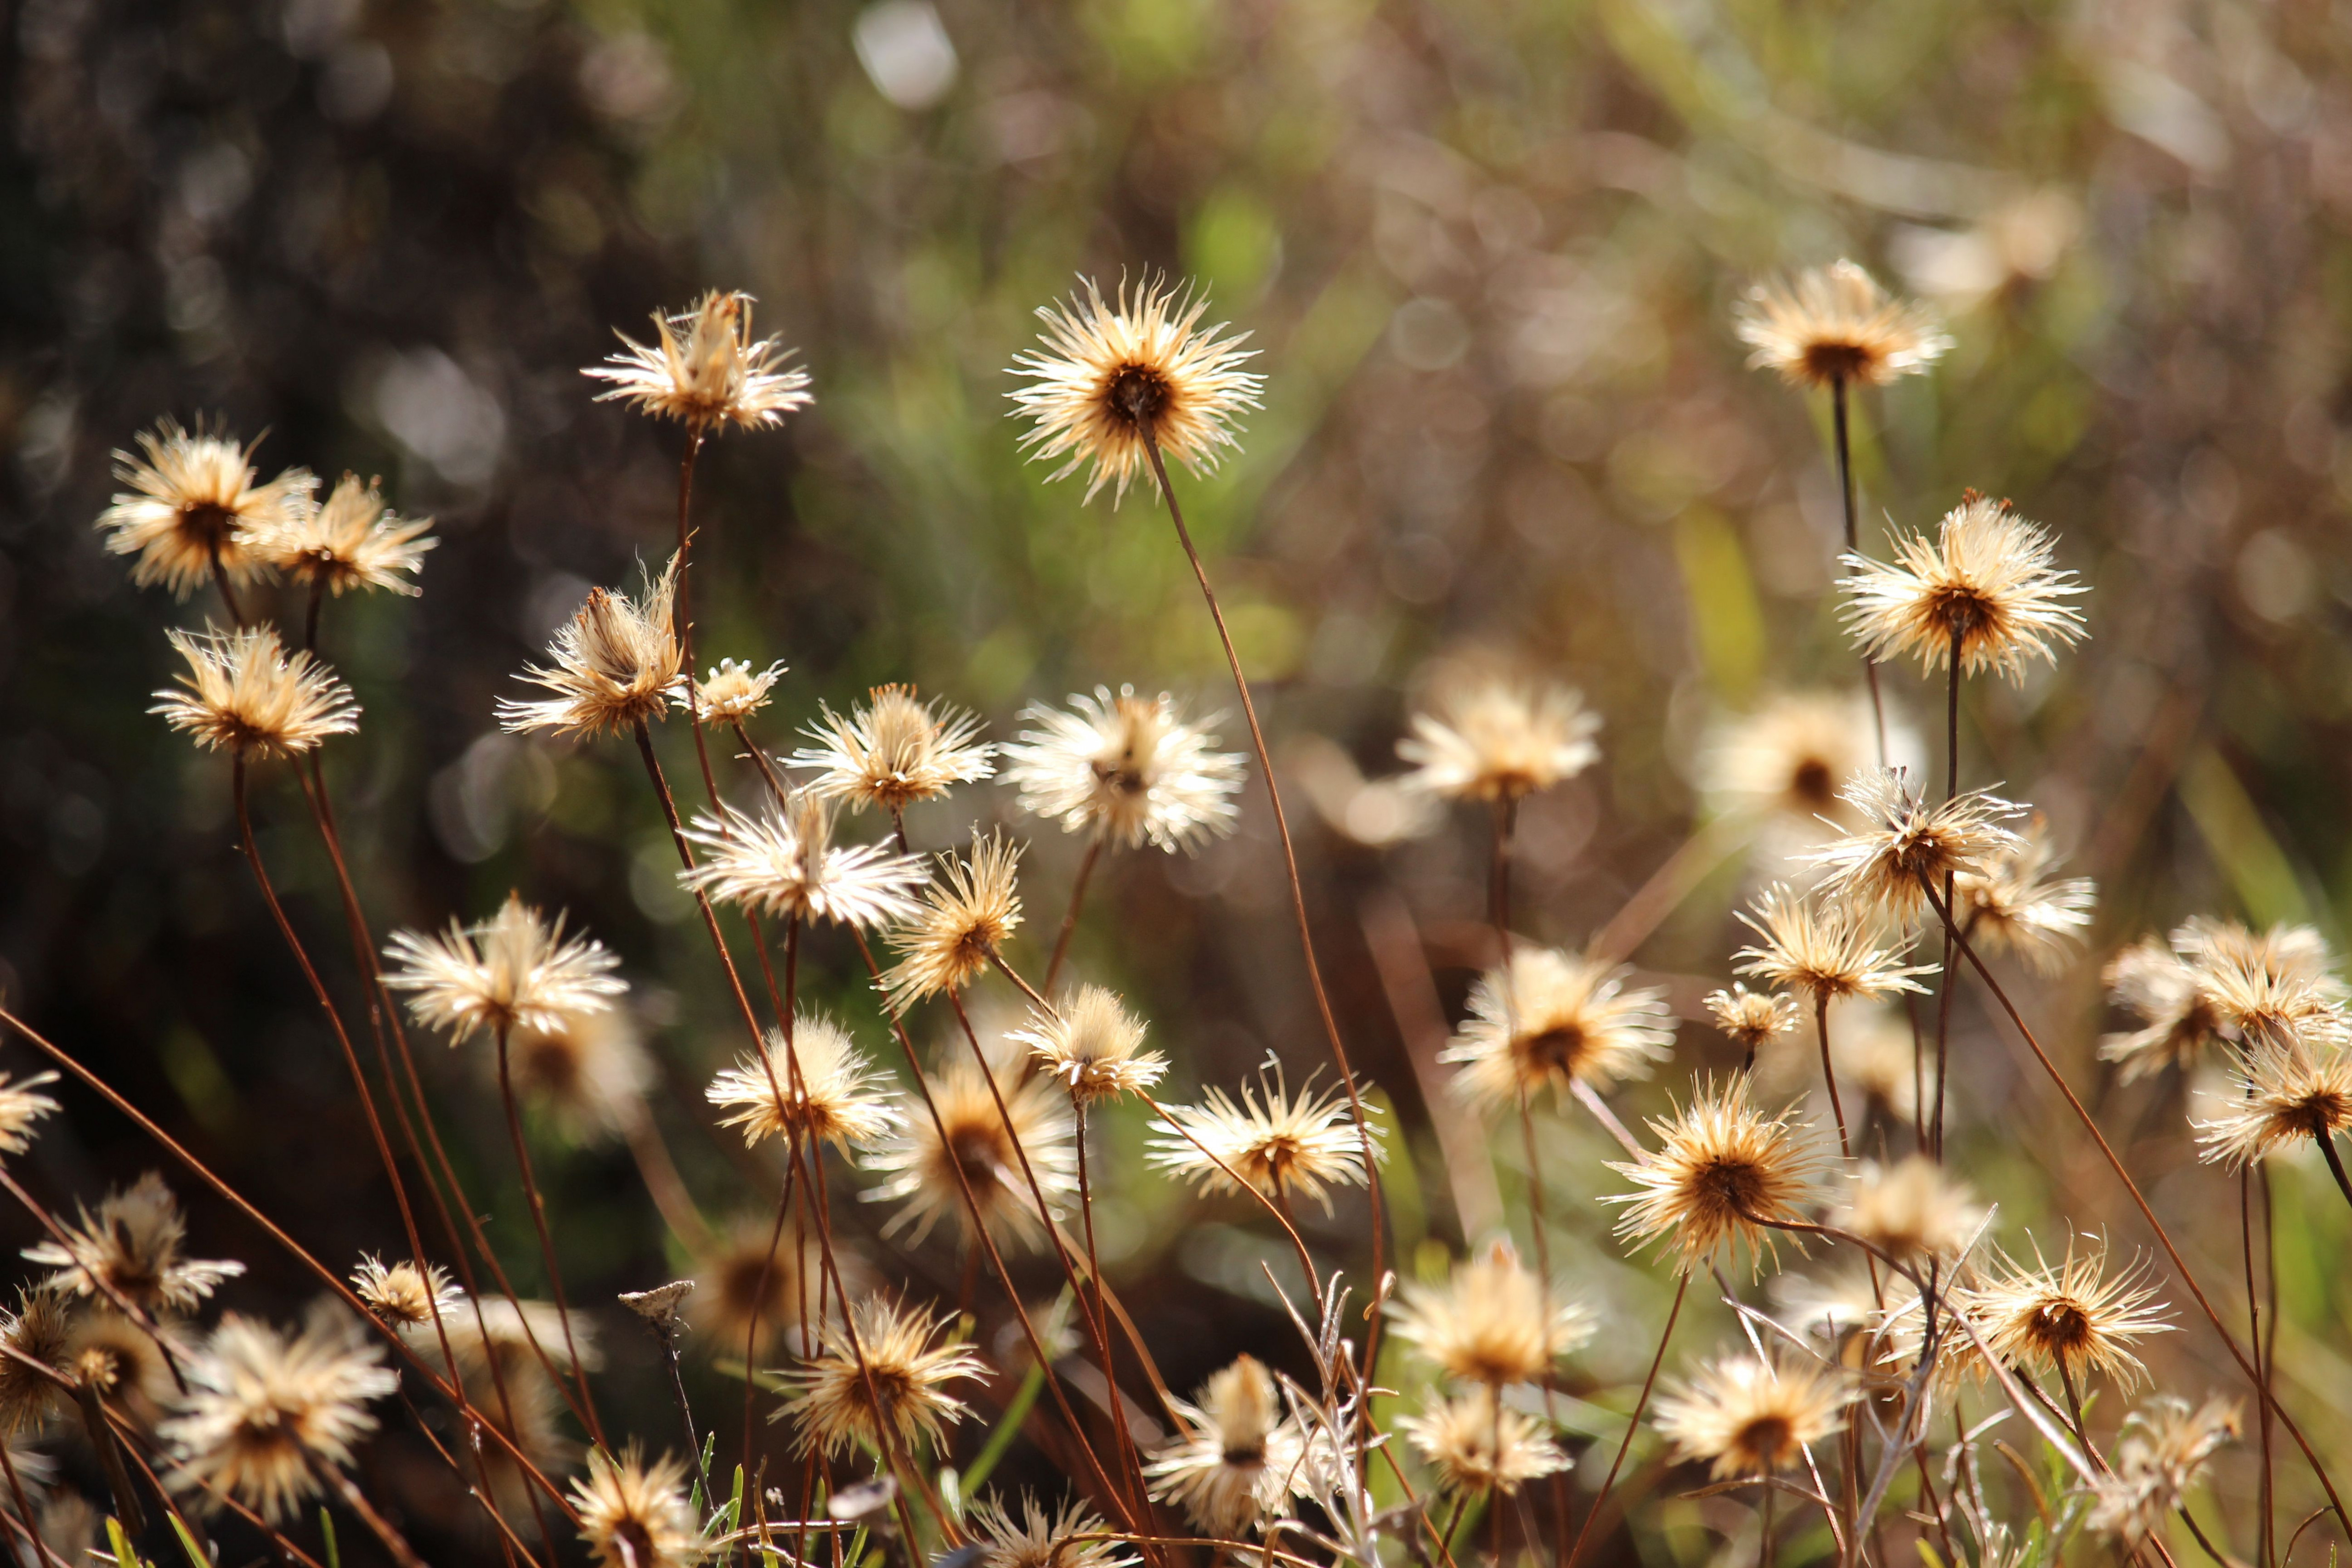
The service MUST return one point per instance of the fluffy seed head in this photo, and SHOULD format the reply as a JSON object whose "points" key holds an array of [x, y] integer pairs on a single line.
{"points": [[1127, 769], [403, 1295], [1904, 840], [1749, 1018], [2016, 903], [2279, 985], [964, 918], [733, 692], [1475, 1447], [820, 1088], [2163, 1453], [1115, 376], [131, 1249], [1071, 1538], [351, 541], [614, 664], [264, 1409], [1835, 323], [1238, 1462], [2073, 1318], [38, 1332], [1498, 741], [1747, 1416], [1723, 1172], [833, 1407], [590, 1074], [2289, 1094], [21, 1105], [894, 750], [194, 500], [1986, 583], [636, 1515], [754, 1277], [1493, 1321], [970, 1136], [1791, 757], [2179, 1021], [784, 862], [1870, 1047], [1278, 1142], [1809, 944], [1548, 1019], [120, 1359], [515, 971], [1911, 1210], [1092, 1046], [704, 369], [243, 693]]}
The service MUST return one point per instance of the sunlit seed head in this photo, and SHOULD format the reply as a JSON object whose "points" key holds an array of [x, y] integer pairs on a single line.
{"points": [[1070, 1537], [752, 1286], [2178, 1020], [21, 1105], [516, 970], [129, 1249], [2277, 986], [2015, 902], [2072, 1318], [1986, 584], [264, 1410], [110, 1354], [1493, 1321], [243, 693], [894, 750], [965, 917], [1500, 741], [349, 541], [1834, 324], [1790, 757], [1092, 1046], [1113, 377], [1745, 1416], [1807, 943], [1476, 1447], [1127, 769], [403, 1295], [969, 1137], [1905, 846], [1233, 1467], [885, 1387], [1283, 1144], [1750, 1019], [1548, 1019], [37, 1335], [1723, 1174], [1912, 1211], [612, 666], [732, 692], [784, 862], [2288, 1094], [819, 1086], [706, 370], [2163, 1452], [590, 1074], [636, 1514], [194, 501]]}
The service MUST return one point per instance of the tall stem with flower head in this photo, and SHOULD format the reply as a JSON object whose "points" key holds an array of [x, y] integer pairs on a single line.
{"points": [[1070, 916], [1601, 1499], [546, 1242]]}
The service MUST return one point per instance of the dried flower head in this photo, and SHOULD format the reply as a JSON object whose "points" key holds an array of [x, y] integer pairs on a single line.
{"points": [[1790, 757], [1748, 1417], [107, 1352], [195, 507], [1072, 1537], [1749, 1018], [2161, 1455], [1092, 1046], [404, 1295], [884, 1387], [2179, 1020], [1911, 1210], [591, 1073], [1279, 1142], [2290, 1093], [1834, 324], [1126, 769], [1476, 1447], [1875, 1057], [2278, 984], [753, 1286], [1498, 741], [1237, 1461], [37, 1334], [515, 971], [21, 1105], [894, 750], [616, 663], [351, 541], [1985, 590], [820, 1086], [243, 693], [1823, 949], [1493, 1321], [704, 369], [264, 1409], [636, 1515], [965, 917], [130, 1250], [1903, 841], [733, 692], [2072, 1319], [514, 1334], [1548, 1019], [969, 1135], [1115, 379], [1722, 1175], [785, 863], [2014, 903]]}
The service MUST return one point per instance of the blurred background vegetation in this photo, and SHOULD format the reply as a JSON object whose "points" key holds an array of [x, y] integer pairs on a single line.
{"points": [[1487, 249]]}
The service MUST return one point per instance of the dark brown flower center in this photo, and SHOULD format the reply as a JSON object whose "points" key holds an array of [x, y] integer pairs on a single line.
{"points": [[978, 1151], [1826, 360], [1556, 1049], [1769, 1440], [2060, 1327], [208, 524], [1814, 783], [1137, 393], [751, 1287], [1733, 1187], [1121, 776], [1961, 612]]}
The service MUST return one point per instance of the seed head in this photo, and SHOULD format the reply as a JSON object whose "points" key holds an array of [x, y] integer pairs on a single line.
{"points": [[820, 1088], [1548, 1019], [615, 664], [2163, 1453], [404, 1295], [515, 971], [1240, 1456], [37, 1333], [1790, 757], [1748, 1417], [785, 863], [1823, 949], [1835, 323], [1911, 1210], [1127, 769], [2014, 903], [591, 1073], [704, 369], [754, 1274], [971, 1135], [1071, 1538], [264, 1410], [1723, 1173], [833, 1405], [893, 751], [1493, 1321], [2179, 1021], [2290, 1093], [193, 501], [1902, 841], [964, 919], [1092, 1046], [107, 1352], [732, 692], [1500, 741], [21, 1105], [1116, 377], [1987, 583], [1278, 1142], [2278, 984], [244, 693], [1751, 1017], [1475, 1447], [2072, 1318], [353, 541], [130, 1250], [636, 1515]]}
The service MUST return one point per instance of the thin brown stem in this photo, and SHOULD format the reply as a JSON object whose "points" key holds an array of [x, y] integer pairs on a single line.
{"points": [[356, 1500], [686, 608], [2255, 1341], [1845, 442], [1828, 1073], [1129, 1453], [41, 1552], [2269, 1494], [546, 1242], [310, 613], [1633, 1424], [220, 582], [685, 857], [131, 1311], [2334, 1164], [1070, 917]]}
